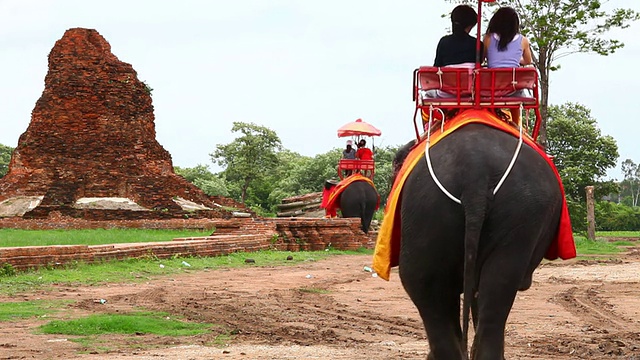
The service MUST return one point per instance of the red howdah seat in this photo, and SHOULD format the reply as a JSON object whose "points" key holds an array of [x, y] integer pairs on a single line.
{"points": [[496, 85], [457, 82], [484, 88], [356, 165]]}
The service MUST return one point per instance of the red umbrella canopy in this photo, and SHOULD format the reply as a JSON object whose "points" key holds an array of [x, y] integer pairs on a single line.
{"points": [[358, 128]]}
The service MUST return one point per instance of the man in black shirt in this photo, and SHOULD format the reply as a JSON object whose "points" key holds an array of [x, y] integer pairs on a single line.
{"points": [[459, 47]]}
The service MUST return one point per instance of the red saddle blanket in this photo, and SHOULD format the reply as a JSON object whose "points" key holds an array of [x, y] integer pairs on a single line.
{"points": [[388, 242], [330, 198]]}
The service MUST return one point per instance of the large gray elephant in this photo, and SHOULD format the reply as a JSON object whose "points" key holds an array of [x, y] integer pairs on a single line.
{"points": [[486, 248], [358, 200]]}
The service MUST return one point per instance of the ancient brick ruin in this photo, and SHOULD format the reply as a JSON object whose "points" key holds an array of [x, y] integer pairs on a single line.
{"points": [[233, 235], [91, 144], [90, 159]]}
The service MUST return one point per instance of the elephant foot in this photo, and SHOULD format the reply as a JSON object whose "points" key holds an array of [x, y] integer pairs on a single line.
{"points": [[433, 357]]}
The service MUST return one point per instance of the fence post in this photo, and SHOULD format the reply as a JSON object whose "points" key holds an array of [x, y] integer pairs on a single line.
{"points": [[591, 214]]}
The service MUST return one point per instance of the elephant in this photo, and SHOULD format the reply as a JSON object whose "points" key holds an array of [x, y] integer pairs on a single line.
{"points": [[485, 248], [358, 200]]}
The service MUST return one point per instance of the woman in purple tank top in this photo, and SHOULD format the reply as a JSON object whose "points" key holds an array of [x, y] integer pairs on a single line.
{"points": [[504, 46]]}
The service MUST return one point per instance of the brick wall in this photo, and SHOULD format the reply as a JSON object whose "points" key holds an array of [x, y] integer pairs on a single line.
{"points": [[233, 235]]}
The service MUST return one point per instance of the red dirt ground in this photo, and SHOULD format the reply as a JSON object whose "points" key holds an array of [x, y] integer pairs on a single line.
{"points": [[574, 310]]}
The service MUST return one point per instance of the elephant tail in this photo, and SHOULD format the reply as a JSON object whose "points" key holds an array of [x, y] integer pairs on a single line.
{"points": [[367, 212], [475, 210]]}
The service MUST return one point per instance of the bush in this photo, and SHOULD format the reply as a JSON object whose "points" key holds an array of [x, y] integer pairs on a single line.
{"points": [[617, 217], [7, 270]]}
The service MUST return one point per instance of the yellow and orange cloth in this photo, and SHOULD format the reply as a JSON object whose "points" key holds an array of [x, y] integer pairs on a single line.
{"points": [[329, 201], [387, 249]]}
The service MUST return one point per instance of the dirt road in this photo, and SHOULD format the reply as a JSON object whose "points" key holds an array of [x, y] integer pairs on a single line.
{"points": [[332, 309]]}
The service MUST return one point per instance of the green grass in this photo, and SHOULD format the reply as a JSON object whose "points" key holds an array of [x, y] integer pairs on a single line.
{"points": [[624, 243], [27, 309], [587, 247], [18, 237], [635, 234], [138, 270], [139, 323], [313, 290]]}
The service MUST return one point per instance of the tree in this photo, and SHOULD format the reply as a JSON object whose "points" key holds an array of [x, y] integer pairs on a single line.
{"points": [[249, 157], [581, 153], [212, 184], [5, 158], [383, 177], [300, 175], [558, 28], [631, 173], [201, 172]]}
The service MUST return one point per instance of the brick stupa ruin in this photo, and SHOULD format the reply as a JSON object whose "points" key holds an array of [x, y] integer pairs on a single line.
{"points": [[90, 150]]}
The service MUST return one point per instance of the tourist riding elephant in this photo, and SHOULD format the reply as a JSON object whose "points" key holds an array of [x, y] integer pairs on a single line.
{"points": [[358, 200], [485, 247]]}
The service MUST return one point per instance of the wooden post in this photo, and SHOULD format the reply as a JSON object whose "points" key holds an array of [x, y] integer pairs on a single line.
{"points": [[591, 214]]}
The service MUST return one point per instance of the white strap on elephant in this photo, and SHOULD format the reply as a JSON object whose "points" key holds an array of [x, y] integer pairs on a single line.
{"points": [[430, 166]]}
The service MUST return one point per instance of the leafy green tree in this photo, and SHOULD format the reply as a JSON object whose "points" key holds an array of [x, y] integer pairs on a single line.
{"points": [[5, 158], [251, 156], [288, 180], [558, 28], [201, 172], [200, 175], [581, 153], [302, 174], [631, 181], [216, 186], [383, 178], [616, 217]]}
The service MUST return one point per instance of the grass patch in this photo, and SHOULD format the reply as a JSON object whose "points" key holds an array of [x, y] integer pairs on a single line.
{"points": [[19, 237], [10, 311], [624, 243], [587, 247], [222, 340], [138, 270], [633, 234], [132, 324], [313, 290], [94, 344]]}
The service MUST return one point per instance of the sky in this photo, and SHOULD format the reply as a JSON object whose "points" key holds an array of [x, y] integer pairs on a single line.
{"points": [[301, 68]]}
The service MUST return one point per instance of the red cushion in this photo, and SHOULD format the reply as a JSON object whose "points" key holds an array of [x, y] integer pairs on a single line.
{"points": [[454, 80], [502, 82]]}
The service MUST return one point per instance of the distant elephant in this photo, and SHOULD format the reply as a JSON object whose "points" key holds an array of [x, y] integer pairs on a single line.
{"points": [[358, 200], [486, 248]]}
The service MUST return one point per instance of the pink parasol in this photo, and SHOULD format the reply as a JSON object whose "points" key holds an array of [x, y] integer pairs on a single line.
{"points": [[358, 128]]}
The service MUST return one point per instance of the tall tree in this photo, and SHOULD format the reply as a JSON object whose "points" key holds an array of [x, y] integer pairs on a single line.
{"points": [[631, 173], [581, 153], [558, 28], [250, 156], [5, 158]]}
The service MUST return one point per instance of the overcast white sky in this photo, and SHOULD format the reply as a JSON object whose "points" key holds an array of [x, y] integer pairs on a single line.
{"points": [[302, 68]]}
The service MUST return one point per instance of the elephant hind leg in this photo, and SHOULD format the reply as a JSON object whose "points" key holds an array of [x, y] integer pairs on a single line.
{"points": [[441, 320], [497, 292], [439, 308]]}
